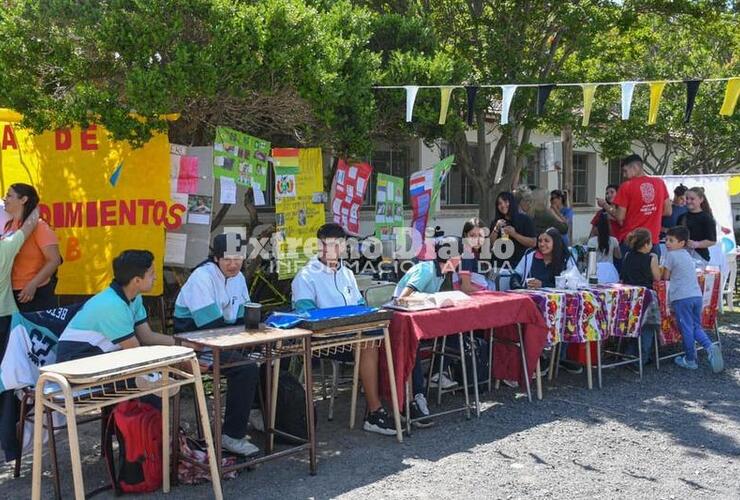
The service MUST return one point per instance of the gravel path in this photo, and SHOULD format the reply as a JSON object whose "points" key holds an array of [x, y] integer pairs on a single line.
{"points": [[675, 435]]}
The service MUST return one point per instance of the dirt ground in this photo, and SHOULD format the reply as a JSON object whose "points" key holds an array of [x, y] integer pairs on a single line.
{"points": [[675, 435]]}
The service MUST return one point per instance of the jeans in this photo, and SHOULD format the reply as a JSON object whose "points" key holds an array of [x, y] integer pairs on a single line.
{"points": [[688, 318]]}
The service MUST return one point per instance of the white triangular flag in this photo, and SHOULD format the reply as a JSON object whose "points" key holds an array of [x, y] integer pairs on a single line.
{"points": [[411, 91], [628, 89], [508, 96]]}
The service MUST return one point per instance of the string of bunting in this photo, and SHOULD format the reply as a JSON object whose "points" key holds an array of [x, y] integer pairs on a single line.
{"points": [[732, 92]]}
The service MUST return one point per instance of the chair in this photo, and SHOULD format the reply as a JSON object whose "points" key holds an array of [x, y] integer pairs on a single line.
{"points": [[728, 292], [375, 296]]}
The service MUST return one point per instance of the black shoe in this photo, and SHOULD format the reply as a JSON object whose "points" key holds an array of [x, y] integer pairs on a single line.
{"points": [[571, 366], [417, 414], [380, 422]]}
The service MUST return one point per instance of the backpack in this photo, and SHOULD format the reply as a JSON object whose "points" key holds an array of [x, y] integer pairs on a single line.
{"points": [[138, 429], [290, 411], [481, 360]]}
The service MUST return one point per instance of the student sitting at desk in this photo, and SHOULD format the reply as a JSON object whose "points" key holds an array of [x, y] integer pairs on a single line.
{"points": [[214, 296], [325, 282], [428, 276]]}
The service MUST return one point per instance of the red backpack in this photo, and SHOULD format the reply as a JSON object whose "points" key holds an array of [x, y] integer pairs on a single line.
{"points": [[138, 427]]}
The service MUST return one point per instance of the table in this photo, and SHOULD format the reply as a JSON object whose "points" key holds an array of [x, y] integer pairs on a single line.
{"points": [[484, 310], [588, 315], [265, 344], [85, 386], [353, 337]]}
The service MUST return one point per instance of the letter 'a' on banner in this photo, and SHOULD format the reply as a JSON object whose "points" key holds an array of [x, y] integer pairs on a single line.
{"points": [[101, 196]]}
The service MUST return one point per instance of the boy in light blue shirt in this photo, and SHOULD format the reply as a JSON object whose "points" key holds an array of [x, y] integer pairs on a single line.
{"points": [[685, 297]]}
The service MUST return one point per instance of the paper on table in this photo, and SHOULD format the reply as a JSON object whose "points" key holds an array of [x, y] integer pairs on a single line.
{"points": [[259, 196], [228, 191], [175, 246]]}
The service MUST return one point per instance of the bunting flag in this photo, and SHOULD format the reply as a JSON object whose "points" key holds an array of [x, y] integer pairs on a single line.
{"points": [[543, 92], [411, 91], [731, 94], [589, 89], [508, 96], [692, 87], [444, 94], [472, 91], [628, 88], [656, 91]]}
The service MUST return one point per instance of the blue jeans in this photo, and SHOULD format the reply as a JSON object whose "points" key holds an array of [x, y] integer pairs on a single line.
{"points": [[688, 318], [646, 339]]}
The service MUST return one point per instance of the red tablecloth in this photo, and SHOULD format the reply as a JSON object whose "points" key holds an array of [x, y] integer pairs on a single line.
{"points": [[484, 310]]}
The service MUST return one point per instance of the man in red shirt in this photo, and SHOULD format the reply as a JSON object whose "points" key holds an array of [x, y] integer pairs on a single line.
{"points": [[641, 201]]}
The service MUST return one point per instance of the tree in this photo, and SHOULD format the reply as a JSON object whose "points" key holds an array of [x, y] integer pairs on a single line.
{"points": [[284, 70]]}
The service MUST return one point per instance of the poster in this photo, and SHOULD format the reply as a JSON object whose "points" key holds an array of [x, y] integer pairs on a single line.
{"points": [[100, 196], [388, 206], [299, 204], [188, 245], [349, 186], [424, 188], [241, 157]]}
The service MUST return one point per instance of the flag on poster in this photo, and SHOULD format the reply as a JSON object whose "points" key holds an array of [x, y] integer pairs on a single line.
{"points": [[424, 188], [388, 206], [349, 186]]}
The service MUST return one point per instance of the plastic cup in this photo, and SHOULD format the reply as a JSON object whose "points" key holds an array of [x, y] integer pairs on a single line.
{"points": [[560, 281], [252, 315]]}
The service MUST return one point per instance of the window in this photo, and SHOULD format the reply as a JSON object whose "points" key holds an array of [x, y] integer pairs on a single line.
{"points": [[457, 188], [530, 174], [581, 178], [615, 171], [395, 161]]}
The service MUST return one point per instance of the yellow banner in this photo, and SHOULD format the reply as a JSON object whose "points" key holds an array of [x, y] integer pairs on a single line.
{"points": [[100, 196], [299, 205]]}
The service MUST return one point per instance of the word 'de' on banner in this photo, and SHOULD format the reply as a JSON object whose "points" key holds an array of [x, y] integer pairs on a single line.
{"points": [[101, 196]]}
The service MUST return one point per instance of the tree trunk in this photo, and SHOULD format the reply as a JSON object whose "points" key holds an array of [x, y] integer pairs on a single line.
{"points": [[567, 173]]}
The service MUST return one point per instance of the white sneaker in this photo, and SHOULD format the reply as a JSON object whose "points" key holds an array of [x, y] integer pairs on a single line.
{"points": [[445, 381], [239, 446], [510, 383], [256, 420], [421, 403]]}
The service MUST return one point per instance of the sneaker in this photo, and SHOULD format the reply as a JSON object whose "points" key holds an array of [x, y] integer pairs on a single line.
{"points": [[380, 422], [715, 358], [684, 363], [417, 414], [510, 383], [570, 366], [421, 403], [256, 420], [445, 381], [239, 446]]}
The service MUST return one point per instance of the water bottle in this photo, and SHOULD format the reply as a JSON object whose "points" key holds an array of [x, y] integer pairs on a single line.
{"points": [[591, 269]]}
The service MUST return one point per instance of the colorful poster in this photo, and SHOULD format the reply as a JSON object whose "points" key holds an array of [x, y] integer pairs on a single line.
{"points": [[349, 186], [100, 196], [299, 205], [388, 206], [240, 157], [424, 188]]}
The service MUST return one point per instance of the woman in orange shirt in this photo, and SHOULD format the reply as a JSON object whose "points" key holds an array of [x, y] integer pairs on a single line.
{"points": [[34, 269]]}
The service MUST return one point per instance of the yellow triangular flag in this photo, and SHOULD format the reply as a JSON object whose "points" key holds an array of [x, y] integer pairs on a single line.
{"points": [[589, 89], [731, 95], [445, 103], [656, 91]]}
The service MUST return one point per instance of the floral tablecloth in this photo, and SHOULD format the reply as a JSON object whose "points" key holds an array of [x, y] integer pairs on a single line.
{"points": [[710, 282], [589, 314]]}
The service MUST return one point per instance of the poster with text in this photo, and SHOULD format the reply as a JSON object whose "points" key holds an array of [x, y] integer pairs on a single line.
{"points": [[101, 196], [348, 188], [299, 204], [388, 206], [241, 157]]}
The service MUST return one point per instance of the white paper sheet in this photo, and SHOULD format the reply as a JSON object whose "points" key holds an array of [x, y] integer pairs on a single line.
{"points": [[228, 191], [361, 185], [175, 246], [352, 172], [259, 196], [181, 198], [218, 161]]}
